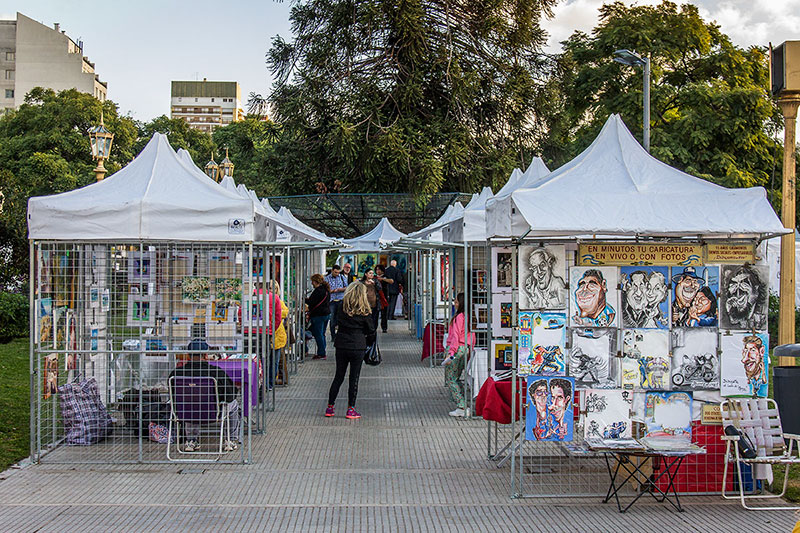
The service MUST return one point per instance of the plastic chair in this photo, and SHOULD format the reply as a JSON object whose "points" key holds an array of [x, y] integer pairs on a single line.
{"points": [[195, 399]]}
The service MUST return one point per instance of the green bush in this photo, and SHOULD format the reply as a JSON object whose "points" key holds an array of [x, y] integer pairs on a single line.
{"points": [[13, 316], [772, 321]]}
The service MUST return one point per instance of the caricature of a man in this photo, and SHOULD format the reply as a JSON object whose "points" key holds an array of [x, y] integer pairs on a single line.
{"points": [[544, 287], [538, 395], [656, 294], [745, 299], [687, 283], [593, 309], [634, 300], [560, 401], [753, 361]]}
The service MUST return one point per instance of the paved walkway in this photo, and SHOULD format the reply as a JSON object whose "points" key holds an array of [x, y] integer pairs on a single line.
{"points": [[405, 466]]}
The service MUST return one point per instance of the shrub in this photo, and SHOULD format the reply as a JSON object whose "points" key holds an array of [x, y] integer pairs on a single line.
{"points": [[772, 320], [13, 316]]}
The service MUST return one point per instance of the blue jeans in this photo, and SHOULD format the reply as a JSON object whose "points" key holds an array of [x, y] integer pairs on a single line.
{"points": [[318, 331], [334, 307], [275, 367]]}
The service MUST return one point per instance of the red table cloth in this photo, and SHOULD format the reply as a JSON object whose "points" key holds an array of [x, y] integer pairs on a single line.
{"points": [[494, 400], [438, 337]]}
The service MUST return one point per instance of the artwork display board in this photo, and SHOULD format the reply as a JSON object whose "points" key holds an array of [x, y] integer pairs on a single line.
{"points": [[592, 360], [607, 414], [744, 297], [645, 361], [550, 412], [694, 296], [541, 343], [695, 363], [745, 365], [644, 299], [668, 414], [593, 297], [541, 277]]}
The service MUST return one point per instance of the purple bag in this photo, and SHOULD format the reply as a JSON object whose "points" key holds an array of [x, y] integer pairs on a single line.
{"points": [[85, 418]]}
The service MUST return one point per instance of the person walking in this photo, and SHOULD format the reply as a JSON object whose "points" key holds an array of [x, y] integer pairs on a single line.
{"points": [[458, 344], [373, 294], [337, 283], [392, 278], [356, 332], [380, 275], [319, 312], [279, 337]]}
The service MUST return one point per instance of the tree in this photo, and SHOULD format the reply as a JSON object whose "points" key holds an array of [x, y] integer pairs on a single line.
{"points": [[711, 114], [406, 95], [248, 142], [180, 135]]}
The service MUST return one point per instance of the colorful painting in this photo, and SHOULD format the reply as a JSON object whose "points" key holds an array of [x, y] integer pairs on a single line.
{"points": [[228, 290], [105, 300], [94, 335], [366, 262], [745, 365], [591, 358], [502, 315], [694, 296], [744, 297], [219, 311], [608, 414], [593, 294], [478, 281], [141, 310], [50, 385], [541, 343], [550, 412], [402, 263], [71, 360], [45, 307], [94, 296], [502, 271], [645, 295], [503, 355], [541, 277], [646, 361], [695, 363], [141, 267], [668, 414], [444, 277], [195, 289]]}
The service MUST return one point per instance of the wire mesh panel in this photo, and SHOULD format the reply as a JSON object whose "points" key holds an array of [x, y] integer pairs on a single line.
{"points": [[113, 322]]}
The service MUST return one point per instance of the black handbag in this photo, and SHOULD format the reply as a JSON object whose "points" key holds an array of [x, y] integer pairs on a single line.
{"points": [[372, 356], [746, 447]]}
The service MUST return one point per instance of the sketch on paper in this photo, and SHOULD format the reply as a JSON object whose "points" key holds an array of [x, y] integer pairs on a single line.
{"points": [[644, 297], [541, 277], [550, 412], [694, 296], [645, 362], [501, 270], [501, 315], [541, 344], [591, 357], [745, 365], [668, 414], [744, 297], [593, 294], [607, 414], [695, 364]]}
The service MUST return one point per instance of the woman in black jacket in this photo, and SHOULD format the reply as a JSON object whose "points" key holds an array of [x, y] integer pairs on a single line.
{"points": [[355, 332], [318, 312]]}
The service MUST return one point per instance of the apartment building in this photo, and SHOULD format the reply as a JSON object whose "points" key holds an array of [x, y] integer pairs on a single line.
{"points": [[35, 55], [205, 104]]}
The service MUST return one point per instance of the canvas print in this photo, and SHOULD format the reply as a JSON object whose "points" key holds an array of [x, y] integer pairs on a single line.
{"points": [[228, 290], [141, 267], [550, 411], [744, 297], [645, 296], [695, 364], [593, 294], [195, 289], [541, 343], [502, 271], [503, 355], [141, 310], [541, 277], [607, 414], [646, 361], [668, 414], [502, 312], [366, 262], [591, 357], [745, 365], [694, 296]]}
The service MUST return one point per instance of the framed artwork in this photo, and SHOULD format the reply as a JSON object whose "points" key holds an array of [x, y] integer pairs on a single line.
{"points": [[94, 336], [402, 263], [219, 311], [366, 262], [105, 300], [94, 296], [45, 329], [503, 355], [141, 267], [694, 296], [745, 365], [141, 310], [541, 343], [50, 385], [480, 316], [550, 411], [646, 361], [668, 414], [502, 271], [502, 315], [744, 297], [695, 363], [478, 281], [195, 289], [350, 258], [608, 414], [593, 297], [443, 280], [71, 360], [228, 290], [45, 307], [541, 277], [591, 357], [645, 295]]}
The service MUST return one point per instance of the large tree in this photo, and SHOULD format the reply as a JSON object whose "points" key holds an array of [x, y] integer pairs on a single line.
{"points": [[406, 95], [180, 135]]}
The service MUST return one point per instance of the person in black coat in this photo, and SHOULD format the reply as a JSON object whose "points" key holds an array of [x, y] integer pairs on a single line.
{"points": [[356, 332], [318, 304]]}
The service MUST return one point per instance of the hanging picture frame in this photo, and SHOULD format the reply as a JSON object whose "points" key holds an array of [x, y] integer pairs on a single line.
{"points": [[141, 310], [141, 267], [593, 297], [480, 316], [502, 271], [542, 273], [744, 297], [502, 315]]}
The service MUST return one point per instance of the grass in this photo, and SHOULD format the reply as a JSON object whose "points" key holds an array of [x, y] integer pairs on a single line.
{"points": [[14, 402], [793, 489]]}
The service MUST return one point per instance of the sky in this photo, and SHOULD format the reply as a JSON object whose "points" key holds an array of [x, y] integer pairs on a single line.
{"points": [[140, 47]]}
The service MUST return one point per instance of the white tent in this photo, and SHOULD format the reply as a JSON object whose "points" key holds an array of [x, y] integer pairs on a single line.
{"points": [[433, 232], [498, 208], [155, 197], [616, 188], [186, 159], [471, 226], [382, 235], [299, 227]]}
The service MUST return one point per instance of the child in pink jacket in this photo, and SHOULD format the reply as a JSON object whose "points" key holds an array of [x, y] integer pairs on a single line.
{"points": [[458, 343]]}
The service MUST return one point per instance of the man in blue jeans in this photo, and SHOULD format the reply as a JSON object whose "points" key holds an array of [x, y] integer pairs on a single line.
{"points": [[337, 283]]}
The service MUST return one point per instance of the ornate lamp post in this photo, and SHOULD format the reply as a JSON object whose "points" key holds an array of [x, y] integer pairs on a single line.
{"points": [[226, 167], [100, 139], [626, 57], [212, 169]]}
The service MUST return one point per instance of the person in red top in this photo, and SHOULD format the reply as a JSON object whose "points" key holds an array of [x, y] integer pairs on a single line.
{"points": [[458, 343]]}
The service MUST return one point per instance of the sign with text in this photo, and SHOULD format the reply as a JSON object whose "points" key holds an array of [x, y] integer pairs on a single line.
{"points": [[711, 415], [663, 254], [731, 253]]}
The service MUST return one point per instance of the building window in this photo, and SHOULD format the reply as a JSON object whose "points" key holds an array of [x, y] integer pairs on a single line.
{"points": [[9, 74], [195, 99], [9, 93], [11, 56]]}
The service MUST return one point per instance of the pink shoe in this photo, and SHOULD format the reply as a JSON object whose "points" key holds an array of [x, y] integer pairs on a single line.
{"points": [[329, 411], [352, 413]]}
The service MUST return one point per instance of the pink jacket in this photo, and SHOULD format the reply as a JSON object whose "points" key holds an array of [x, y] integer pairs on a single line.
{"points": [[456, 336]]}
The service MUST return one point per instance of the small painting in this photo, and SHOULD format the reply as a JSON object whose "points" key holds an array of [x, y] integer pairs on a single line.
{"points": [[94, 296], [591, 357], [593, 297], [646, 359], [105, 300], [550, 411], [478, 281], [744, 297], [745, 365], [480, 316], [695, 364], [141, 311], [71, 360], [541, 277], [228, 290], [645, 295], [694, 296], [141, 267], [541, 343], [502, 278], [195, 289], [668, 414], [503, 355], [50, 385], [607, 414], [502, 315], [219, 311]]}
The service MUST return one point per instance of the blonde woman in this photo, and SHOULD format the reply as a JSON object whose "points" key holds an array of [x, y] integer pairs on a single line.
{"points": [[355, 331], [279, 332]]}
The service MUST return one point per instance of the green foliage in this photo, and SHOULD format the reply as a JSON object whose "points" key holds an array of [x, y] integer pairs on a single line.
{"points": [[13, 316], [772, 320], [180, 135], [248, 143], [15, 394]]}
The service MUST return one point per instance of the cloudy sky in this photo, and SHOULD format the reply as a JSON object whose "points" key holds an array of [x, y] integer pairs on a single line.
{"points": [[139, 47]]}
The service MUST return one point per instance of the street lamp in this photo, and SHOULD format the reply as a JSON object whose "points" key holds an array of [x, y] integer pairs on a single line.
{"points": [[100, 139], [212, 169], [626, 57], [226, 167]]}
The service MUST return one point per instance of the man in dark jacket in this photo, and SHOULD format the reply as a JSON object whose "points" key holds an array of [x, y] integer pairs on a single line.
{"points": [[392, 278]]}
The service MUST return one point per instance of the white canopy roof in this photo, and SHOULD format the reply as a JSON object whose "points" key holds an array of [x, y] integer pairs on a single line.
{"points": [[615, 188], [155, 197], [499, 222], [383, 234], [471, 225], [300, 230], [433, 232]]}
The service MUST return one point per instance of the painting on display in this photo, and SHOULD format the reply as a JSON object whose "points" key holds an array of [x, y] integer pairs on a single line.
{"points": [[50, 385], [541, 343], [503, 355], [44, 266], [745, 365], [195, 289], [105, 300], [645, 361], [480, 316], [593, 297], [694, 296], [502, 271], [502, 315], [141, 267], [478, 281], [444, 277], [219, 311], [644, 298], [591, 357], [94, 296], [744, 297], [541, 277], [695, 364], [607, 414], [141, 310], [550, 411], [228, 290], [71, 360], [402, 263], [668, 414], [366, 262], [352, 259]]}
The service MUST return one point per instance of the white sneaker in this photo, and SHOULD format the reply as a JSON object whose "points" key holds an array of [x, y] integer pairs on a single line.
{"points": [[191, 446], [229, 446], [458, 412]]}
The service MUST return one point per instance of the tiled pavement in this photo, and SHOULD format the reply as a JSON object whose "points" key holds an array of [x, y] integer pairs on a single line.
{"points": [[405, 466]]}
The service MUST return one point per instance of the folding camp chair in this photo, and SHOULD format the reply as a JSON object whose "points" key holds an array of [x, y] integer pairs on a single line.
{"points": [[195, 400], [758, 419]]}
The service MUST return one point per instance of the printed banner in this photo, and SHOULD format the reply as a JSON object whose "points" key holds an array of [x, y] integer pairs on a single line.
{"points": [[731, 253], [640, 254]]}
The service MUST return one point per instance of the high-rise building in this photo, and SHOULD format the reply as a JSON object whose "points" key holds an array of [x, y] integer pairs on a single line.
{"points": [[205, 104], [35, 55]]}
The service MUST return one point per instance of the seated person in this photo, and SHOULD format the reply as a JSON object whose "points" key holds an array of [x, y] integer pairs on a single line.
{"points": [[198, 367]]}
